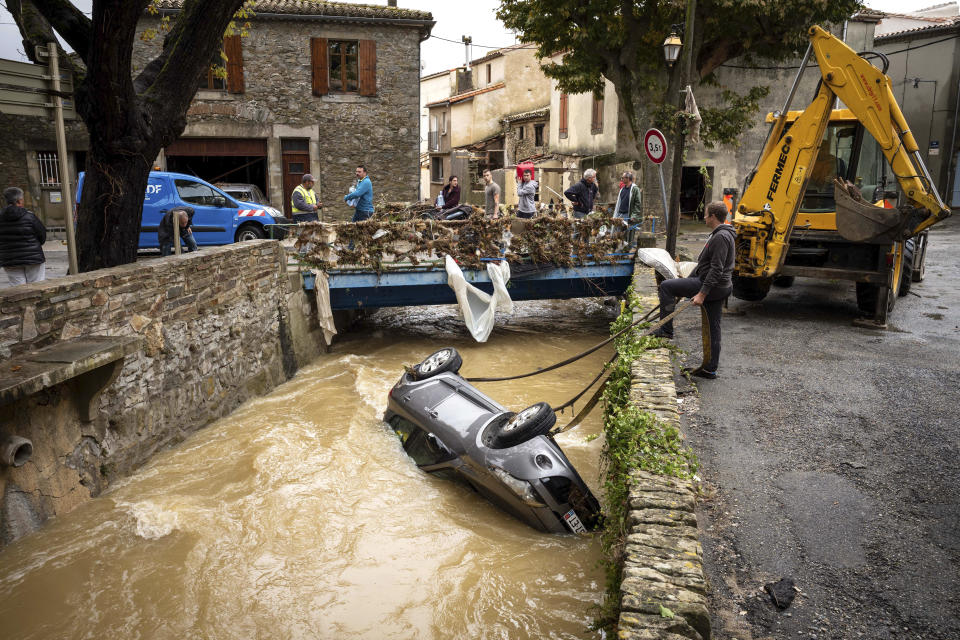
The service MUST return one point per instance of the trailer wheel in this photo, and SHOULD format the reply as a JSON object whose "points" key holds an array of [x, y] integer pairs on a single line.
{"points": [[906, 271], [751, 289]]}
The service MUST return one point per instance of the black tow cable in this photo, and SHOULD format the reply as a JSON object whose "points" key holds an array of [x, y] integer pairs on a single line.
{"points": [[595, 398], [579, 355]]}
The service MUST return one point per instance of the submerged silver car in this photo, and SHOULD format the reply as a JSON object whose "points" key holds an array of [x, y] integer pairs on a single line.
{"points": [[451, 429]]}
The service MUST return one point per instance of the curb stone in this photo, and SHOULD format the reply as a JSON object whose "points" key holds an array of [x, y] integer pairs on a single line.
{"points": [[663, 563]]}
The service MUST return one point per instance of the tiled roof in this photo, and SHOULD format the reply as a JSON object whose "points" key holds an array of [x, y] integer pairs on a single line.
{"points": [[527, 115], [464, 96], [322, 8], [937, 24]]}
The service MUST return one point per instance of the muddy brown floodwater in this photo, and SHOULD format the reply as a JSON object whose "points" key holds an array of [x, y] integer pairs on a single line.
{"points": [[299, 515]]}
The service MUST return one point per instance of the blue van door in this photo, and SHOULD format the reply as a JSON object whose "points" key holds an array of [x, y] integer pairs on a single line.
{"points": [[212, 224], [154, 200]]}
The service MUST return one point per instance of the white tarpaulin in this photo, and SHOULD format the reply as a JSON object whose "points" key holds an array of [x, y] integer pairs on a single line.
{"points": [[478, 307], [321, 289], [666, 266]]}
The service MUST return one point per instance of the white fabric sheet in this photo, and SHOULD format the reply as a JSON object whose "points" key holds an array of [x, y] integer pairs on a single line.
{"points": [[478, 307], [666, 266]]}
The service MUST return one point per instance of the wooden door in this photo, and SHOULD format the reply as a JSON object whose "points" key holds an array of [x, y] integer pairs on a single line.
{"points": [[296, 162]]}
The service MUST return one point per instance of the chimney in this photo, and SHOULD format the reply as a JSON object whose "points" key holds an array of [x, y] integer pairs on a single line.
{"points": [[391, 3]]}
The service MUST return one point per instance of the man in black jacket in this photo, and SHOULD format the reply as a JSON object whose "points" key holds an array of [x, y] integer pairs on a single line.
{"points": [[710, 284], [583, 193], [184, 222], [21, 241]]}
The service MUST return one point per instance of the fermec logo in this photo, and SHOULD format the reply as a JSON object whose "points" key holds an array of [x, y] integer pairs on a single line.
{"points": [[778, 172]]}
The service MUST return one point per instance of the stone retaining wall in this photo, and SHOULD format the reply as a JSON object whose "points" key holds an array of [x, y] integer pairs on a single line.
{"points": [[664, 591], [216, 331]]}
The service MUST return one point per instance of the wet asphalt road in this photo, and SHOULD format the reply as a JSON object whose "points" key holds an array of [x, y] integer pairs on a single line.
{"points": [[832, 452]]}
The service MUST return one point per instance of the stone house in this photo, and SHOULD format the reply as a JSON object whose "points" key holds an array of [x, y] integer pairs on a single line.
{"points": [[924, 55], [467, 126], [314, 87]]}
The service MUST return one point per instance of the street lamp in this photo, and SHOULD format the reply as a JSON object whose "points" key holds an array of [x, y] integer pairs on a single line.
{"points": [[671, 46]]}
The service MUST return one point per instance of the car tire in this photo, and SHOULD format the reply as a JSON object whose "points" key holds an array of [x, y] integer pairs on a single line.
{"points": [[250, 232], [535, 420], [446, 359]]}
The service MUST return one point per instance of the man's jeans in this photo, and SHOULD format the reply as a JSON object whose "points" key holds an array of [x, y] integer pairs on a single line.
{"points": [[711, 312], [187, 244], [26, 273], [360, 216]]}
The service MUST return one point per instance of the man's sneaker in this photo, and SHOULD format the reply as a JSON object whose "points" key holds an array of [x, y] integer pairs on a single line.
{"points": [[699, 372], [660, 333]]}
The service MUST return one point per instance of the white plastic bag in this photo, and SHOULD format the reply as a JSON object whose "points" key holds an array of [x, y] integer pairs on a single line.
{"points": [[666, 266], [478, 307]]}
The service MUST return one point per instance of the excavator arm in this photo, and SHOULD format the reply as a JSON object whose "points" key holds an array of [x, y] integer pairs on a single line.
{"points": [[768, 210]]}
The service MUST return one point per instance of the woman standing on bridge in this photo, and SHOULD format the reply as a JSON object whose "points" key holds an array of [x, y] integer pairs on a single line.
{"points": [[451, 194]]}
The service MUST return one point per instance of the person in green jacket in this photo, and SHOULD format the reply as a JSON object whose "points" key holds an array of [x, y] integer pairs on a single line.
{"points": [[628, 200]]}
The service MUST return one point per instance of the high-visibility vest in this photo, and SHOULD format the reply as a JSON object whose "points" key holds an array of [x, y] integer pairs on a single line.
{"points": [[309, 196]]}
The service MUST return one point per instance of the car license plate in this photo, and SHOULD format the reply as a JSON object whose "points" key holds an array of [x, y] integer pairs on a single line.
{"points": [[570, 517]]}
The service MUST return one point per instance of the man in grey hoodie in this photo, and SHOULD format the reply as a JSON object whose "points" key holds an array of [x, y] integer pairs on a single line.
{"points": [[526, 192], [710, 284]]}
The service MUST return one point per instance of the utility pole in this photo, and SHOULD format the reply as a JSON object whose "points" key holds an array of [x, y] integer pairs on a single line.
{"points": [[686, 75], [66, 193]]}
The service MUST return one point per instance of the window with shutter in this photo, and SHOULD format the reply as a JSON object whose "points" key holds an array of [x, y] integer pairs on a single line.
{"points": [[318, 65], [596, 121], [234, 52], [562, 130]]}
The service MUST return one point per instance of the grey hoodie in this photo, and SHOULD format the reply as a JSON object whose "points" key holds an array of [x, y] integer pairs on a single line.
{"points": [[715, 265]]}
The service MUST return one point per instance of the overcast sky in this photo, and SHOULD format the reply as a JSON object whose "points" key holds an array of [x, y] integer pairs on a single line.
{"points": [[475, 18]]}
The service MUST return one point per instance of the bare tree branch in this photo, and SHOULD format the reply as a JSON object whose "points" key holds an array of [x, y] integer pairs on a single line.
{"points": [[64, 18]]}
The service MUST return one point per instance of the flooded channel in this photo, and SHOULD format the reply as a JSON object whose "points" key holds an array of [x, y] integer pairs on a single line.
{"points": [[299, 515]]}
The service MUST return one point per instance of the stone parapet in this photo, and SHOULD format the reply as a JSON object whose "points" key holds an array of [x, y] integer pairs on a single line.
{"points": [[664, 591], [216, 330]]}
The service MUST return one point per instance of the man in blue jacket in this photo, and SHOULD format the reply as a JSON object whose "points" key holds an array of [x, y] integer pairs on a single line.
{"points": [[363, 194]]}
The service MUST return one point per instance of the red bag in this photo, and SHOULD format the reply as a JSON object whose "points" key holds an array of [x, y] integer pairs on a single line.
{"points": [[524, 166]]}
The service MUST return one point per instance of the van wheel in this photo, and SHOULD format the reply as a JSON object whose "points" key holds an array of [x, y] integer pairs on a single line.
{"points": [[535, 420], [446, 359], [250, 232]]}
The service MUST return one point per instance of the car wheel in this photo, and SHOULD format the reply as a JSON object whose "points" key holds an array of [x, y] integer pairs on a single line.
{"points": [[446, 359], [533, 421], [250, 232]]}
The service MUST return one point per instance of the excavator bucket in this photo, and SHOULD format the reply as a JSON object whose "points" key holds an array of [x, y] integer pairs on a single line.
{"points": [[861, 221]]}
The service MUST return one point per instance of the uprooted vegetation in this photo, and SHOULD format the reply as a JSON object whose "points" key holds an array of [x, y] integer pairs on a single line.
{"points": [[383, 241]]}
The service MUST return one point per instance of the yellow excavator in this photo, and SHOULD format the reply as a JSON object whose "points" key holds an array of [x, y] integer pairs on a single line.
{"points": [[838, 194]]}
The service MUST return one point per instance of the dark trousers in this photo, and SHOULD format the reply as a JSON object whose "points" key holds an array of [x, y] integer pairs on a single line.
{"points": [[310, 216], [711, 313], [360, 216], [525, 214]]}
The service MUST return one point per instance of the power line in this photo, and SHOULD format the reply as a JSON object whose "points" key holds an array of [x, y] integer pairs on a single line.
{"points": [[796, 66], [483, 46]]}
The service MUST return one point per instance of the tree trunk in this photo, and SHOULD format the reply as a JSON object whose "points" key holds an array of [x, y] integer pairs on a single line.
{"points": [[111, 206]]}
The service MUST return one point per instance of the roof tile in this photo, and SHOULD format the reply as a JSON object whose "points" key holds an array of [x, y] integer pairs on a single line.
{"points": [[322, 8]]}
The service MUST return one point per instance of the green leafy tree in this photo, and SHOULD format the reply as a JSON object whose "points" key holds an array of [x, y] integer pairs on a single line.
{"points": [[130, 117], [622, 42]]}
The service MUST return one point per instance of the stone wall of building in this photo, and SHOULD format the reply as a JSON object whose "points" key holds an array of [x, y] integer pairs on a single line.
{"points": [[215, 329], [26, 136], [381, 131]]}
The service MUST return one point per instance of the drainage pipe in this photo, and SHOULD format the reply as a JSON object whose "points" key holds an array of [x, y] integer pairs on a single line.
{"points": [[15, 451]]}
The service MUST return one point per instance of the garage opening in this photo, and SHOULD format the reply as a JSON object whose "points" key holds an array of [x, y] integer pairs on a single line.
{"points": [[695, 191], [221, 160]]}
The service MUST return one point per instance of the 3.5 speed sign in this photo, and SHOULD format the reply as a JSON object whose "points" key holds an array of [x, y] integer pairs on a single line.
{"points": [[656, 146]]}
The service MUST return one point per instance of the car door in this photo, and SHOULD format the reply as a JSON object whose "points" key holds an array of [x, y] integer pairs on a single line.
{"points": [[214, 212], [155, 204]]}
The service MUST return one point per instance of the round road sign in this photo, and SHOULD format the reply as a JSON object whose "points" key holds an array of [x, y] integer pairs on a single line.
{"points": [[656, 146]]}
